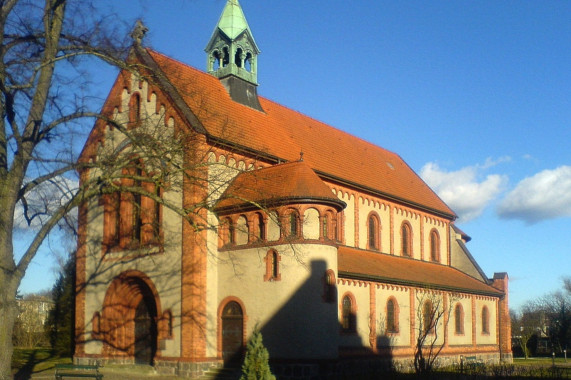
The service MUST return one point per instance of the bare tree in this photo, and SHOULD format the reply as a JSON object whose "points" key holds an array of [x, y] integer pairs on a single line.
{"points": [[527, 324], [432, 313], [44, 55]]}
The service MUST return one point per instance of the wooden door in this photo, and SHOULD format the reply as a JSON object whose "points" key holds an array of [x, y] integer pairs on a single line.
{"points": [[232, 332]]}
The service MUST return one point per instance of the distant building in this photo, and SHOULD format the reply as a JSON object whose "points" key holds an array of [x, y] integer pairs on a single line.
{"points": [[333, 247], [34, 312]]}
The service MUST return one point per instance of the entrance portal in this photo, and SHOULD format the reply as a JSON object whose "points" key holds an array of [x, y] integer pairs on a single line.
{"points": [[232, 332], [145, 331]]}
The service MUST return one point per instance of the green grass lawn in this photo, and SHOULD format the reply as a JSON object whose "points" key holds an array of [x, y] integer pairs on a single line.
{"points": [[32, 360], [541, 362]]}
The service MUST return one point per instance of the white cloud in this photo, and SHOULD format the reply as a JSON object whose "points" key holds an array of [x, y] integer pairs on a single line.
{"points": [[465, 190], [546, 195]]}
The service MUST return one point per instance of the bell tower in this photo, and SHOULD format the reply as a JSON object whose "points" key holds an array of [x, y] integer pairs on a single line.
{"points": [[232, 56]]}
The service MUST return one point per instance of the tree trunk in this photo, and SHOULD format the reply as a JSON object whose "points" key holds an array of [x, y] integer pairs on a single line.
{"points": [[8, 313]]}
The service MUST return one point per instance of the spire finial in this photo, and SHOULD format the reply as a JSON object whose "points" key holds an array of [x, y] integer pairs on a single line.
{"points": [[301, 156], [139, 32]]}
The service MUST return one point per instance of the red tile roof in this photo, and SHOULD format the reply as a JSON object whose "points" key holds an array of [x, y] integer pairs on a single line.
{"points": [[367, 265], [284, 133], [278, 184]]}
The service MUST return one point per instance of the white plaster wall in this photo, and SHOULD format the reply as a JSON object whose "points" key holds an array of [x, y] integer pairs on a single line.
{"points": [[349, 222], [291, 313], [437, 299], [429, 224], [482, 338], [362, 298], [400, 216], [465, 338], [365, 208], [402, 297]]}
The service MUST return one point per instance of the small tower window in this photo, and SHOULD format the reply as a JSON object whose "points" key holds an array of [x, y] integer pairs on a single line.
{"points": [[272, 266]]}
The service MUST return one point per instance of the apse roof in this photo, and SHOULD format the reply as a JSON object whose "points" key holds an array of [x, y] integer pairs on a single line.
{"points": [[292, 182]]}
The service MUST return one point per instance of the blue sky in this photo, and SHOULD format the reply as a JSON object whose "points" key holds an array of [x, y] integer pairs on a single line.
{"points": [[474, 95]]}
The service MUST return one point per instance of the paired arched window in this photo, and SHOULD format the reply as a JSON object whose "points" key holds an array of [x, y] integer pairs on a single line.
{"points": [[434, 246], [485, 320], [392, 316], [458, 319], [373, 232], [406, 239], [132, 219], [348, 314]]}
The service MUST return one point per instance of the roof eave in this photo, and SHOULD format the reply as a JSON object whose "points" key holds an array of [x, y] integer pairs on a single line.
{"points": [[396, 281], [250, 206], [385, 195]]}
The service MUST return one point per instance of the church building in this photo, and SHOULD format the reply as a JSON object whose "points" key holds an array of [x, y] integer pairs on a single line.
{"points": [[220, 212]]}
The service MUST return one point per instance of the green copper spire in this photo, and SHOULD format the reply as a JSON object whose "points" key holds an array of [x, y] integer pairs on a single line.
{"points": [[232, 49], [232, 55], [232, 21]]}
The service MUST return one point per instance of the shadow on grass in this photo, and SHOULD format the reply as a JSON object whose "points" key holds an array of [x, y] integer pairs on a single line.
{"points": [[27, 361]]}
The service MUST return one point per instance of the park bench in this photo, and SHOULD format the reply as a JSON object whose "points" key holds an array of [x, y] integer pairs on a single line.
{"points": [[75, 371]]}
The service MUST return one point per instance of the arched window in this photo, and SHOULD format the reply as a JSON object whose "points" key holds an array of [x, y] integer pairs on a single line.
{"points": [[260, 227], [272, 266], [326, 226], [373, 232], [485, 320], [434, 246], [459, 319], [134, 111], [293, 224], [392, 316], [348, 314], [132, 219], [428, 317], [406, 239]]}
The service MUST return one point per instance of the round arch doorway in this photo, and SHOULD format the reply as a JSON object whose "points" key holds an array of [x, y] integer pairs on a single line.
{"points": [[232, 332], [129, 318]]}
